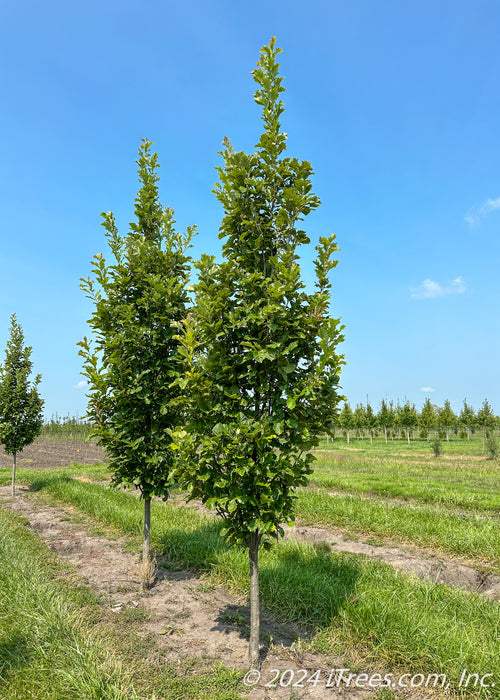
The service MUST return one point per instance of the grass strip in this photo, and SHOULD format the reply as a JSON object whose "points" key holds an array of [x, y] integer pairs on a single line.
{"points": [[419, 446], [475, 488], [43, 651], [345, 599], [470, 534], [57, 640], [464, 534]]}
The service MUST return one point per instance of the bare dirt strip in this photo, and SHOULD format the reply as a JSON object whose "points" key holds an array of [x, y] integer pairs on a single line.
{"points": [[186, 614], [47, 453]]}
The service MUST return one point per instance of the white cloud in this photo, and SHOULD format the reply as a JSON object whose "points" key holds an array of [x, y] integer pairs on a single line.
{"points": [[430, 289], [81, 384], [427, 389], [475, 215]]}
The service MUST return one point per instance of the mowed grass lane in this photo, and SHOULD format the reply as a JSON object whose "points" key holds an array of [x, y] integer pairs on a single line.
{"points": [[456, 482]]}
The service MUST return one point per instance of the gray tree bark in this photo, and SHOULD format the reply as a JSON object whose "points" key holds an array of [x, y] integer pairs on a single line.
{"points": [[14, 476], [146, 540], [253, 554]]}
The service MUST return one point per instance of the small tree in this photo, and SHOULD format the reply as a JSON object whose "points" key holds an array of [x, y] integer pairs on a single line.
{"points": [[408, 418], [427, 418], [359, 416], [370, 420], [447, 418], [436, 446], [20, 404], [398, 411], [486, 420], [385, 417], [346, 420], [264, 371], [468, 418], [139, 298], [492, 448]]}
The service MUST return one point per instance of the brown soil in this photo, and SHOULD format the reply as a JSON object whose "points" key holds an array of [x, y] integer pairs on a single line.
{"points": [[45, 453], [187, 615]]}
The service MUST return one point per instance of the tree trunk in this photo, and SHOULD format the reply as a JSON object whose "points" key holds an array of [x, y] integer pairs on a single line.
{"points": [[146, 540], [253, 554], [348, 437], [447, 435], [385, 434], [14, 475], [408, 436]]}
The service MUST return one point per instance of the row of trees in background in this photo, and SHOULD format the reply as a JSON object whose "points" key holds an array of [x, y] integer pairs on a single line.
{"points": [[398, 420], [66, 428]]}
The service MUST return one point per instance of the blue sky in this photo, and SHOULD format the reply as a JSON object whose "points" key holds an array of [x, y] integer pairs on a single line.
{"points": [[395, 104]]}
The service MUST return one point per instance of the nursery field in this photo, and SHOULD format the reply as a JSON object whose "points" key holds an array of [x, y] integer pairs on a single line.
{"points": [[392, 571], [49, 452]]}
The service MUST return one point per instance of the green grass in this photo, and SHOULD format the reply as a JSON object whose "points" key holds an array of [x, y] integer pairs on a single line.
{"points": [[94, 472], [58, 641], [468, 485], [343, 599], [461, 534], [456, 446], [44, 652], [451, 505]]}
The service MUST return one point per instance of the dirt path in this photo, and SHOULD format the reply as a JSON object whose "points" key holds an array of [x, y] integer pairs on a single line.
{"points": [[186, 614]]}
